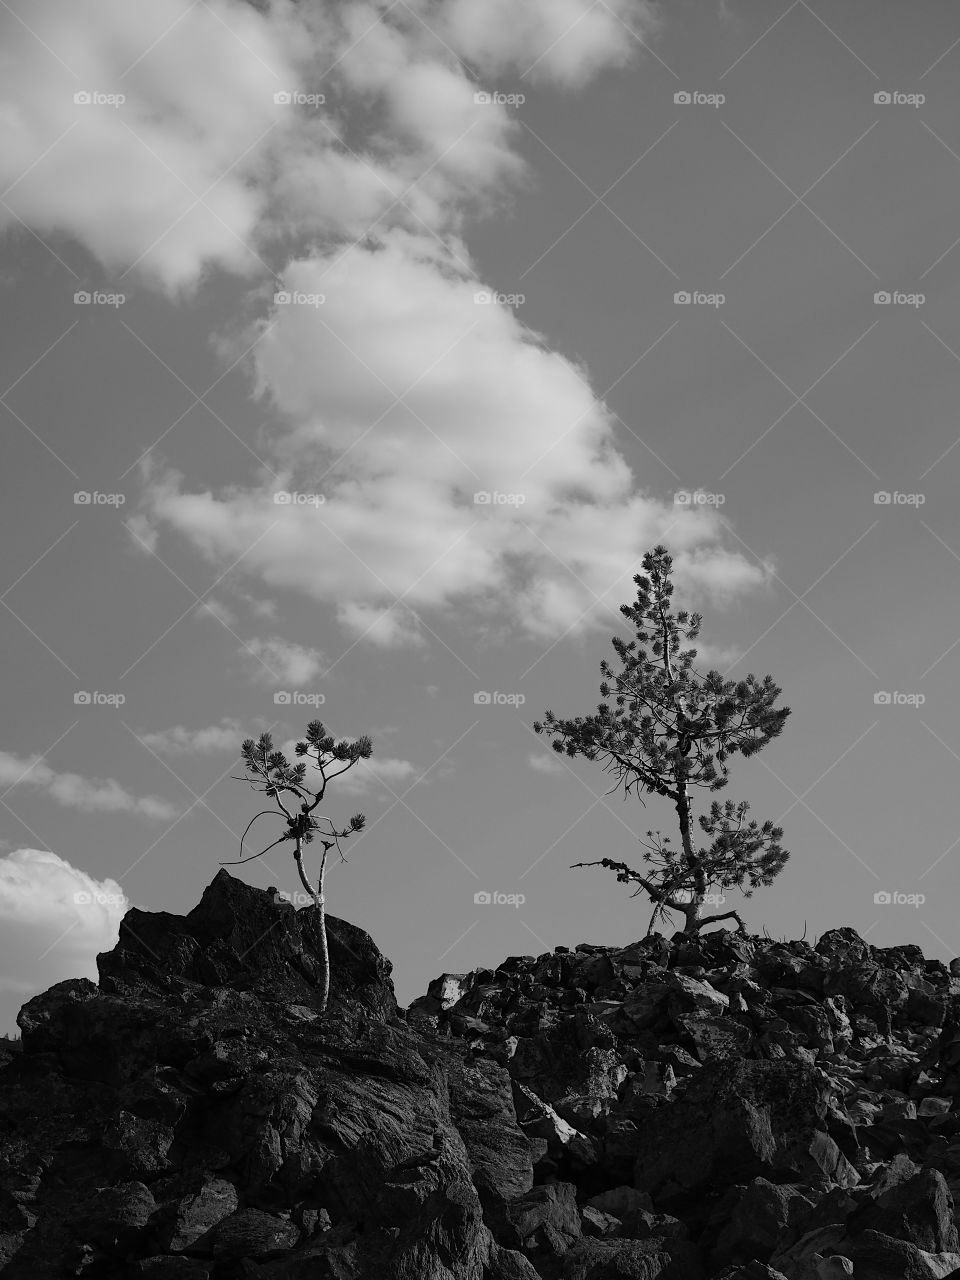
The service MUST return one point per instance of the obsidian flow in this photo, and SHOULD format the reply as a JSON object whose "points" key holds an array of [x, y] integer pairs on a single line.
{"points": [[704, 1107]]}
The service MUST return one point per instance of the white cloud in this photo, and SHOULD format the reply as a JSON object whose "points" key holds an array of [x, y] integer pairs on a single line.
{"points": [[388, 771], [402, 396], [198, 167], [541, 762], [54, 918], [152, 176], [93, 795], [214, 610], [282, 660], [408, 398], [365, 775], [383, 627], [225, 736], [567, 41]]}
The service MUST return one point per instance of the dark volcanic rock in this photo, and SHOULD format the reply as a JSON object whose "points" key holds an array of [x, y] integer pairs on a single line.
{"points": [[711, 1108]]}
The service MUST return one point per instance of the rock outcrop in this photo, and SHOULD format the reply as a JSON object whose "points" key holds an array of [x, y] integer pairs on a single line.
{"points": [[713, 1108]]}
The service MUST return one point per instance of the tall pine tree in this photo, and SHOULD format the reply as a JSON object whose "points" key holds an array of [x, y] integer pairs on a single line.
{"points": [[670, 730]]}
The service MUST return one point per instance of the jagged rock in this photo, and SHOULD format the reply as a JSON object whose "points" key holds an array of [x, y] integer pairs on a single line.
{"points": [[882, 1257], [641, 1224], [199, 1212], [736, 1121], [755, 1217], [690, 995], [594, 1222], [481, 1108], [248, 1233], [777, 1106], [443, 993], [553, 1206], [919, 1210], [715, 1038], [654, 1259]]}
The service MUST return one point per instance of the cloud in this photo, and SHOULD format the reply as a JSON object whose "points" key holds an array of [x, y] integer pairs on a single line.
{"points": [[399, 395], [182, 161], [388, 771], [365, 775], [225, 736], [214, 610], [55, 919], [565, 41], [93, 795], [540, 762], [282, 660], [408, 398]]}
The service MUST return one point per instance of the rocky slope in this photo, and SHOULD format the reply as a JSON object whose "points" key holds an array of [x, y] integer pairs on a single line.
{"points": [[695, 1109]]}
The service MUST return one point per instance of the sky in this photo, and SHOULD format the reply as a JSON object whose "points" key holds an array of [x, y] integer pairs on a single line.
{"points": [[355, 354]]}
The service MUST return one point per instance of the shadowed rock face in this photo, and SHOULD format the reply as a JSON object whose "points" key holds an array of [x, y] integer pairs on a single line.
{"points": [[248, 940], [714, 1108]]}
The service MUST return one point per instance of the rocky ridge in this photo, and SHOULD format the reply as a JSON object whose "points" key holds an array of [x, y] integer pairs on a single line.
{"points": [[713, 1108]]}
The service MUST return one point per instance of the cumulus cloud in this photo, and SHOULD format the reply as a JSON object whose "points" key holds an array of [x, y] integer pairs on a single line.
{"points": [[388, 771], [93, 795], [225, 736], [410, 399], [567, 41], [399, 397], [365, 775], [55, 918], [153, 134], [216, 611], [540, 762], [283, 660]]}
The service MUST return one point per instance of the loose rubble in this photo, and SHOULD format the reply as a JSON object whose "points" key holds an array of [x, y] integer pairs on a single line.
{"points": [[719, 1107]]}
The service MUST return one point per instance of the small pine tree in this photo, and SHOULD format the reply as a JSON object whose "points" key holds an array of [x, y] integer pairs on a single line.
{"points": [[672, 729], [269, 772]]}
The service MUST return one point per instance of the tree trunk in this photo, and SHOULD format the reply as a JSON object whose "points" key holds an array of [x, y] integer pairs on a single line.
{"points": [[318, 902], [324, 951], [691, 910]]}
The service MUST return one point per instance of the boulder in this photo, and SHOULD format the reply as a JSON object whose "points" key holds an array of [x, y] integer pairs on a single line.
{"points": [[737, 1121], [919, 1210], [756, 1217]]}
